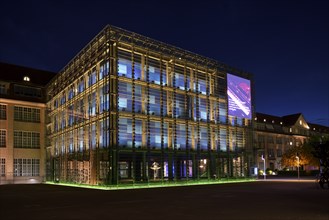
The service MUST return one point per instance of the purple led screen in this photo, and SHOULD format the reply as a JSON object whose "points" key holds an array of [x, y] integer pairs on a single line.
{"points": [[239, 98]]}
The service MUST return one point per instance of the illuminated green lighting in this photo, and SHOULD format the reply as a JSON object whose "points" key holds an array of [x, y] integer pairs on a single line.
{"points": [[155, 184]]}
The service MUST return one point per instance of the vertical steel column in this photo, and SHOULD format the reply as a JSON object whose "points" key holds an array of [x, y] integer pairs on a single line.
{"points": [[162, 120], [114, 119], [133, 115]]}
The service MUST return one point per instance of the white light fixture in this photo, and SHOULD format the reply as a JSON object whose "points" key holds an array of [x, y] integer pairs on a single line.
{"points": [[26, 78]]}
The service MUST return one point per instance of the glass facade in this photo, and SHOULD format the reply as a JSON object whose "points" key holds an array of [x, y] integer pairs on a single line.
{"points": [[133, 108]]}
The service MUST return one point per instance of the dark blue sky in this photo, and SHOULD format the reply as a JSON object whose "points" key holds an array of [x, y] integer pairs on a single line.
{"points": [[283, 43]]}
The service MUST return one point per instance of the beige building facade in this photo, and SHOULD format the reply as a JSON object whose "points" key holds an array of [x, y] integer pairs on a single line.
{"points": [[274, 135], [22, 125]]}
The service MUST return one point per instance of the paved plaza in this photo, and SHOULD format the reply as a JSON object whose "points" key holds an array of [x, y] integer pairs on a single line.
{"points": [[279, 199]]}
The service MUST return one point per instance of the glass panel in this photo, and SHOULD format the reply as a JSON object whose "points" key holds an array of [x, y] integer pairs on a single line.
{"points": [[125, 97], [155, 134], [125, 132], [180, 136], [203, 138], [154, 102]]}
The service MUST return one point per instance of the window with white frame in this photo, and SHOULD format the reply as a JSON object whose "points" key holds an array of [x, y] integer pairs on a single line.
{"points": [[2, 167], [3, 112], [26, 114], [26, 139], [26, 167], [3, 137]]}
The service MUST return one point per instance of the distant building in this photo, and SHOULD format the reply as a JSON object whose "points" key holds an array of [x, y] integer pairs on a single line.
{"points": [[131, 109], [22, 123], [274, 135]]}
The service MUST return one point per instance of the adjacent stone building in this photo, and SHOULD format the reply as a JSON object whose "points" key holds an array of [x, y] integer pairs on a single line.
{"points": [[22, 124]]}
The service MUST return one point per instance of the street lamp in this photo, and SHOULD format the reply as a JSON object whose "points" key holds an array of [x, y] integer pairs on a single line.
{"points": [[297, 166], [264, 167]]}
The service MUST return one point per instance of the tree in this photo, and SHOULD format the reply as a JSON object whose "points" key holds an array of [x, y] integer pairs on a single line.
{"points": [[304, 153]]}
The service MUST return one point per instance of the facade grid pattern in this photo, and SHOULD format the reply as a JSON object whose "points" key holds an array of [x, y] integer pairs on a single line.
{"points": [[131, 106]]}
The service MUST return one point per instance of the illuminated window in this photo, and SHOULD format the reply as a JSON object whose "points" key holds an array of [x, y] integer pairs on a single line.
{"points": [[125, 132], [300, 122], [26, 78], [104, 69], [125, 96], [104, 99], [26, 167]]}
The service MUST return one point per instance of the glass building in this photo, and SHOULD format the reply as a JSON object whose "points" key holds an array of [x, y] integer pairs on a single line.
{"points": [[130, 109]]}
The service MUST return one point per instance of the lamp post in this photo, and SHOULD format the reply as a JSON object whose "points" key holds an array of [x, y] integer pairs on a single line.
{"points": [[264, 167], [297, 166]]}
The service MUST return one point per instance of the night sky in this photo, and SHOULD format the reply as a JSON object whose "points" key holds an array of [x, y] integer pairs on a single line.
{"points": [[283, 43]]}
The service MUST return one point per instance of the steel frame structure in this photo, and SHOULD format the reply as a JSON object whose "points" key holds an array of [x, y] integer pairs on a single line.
{"points": [[108, 164]]}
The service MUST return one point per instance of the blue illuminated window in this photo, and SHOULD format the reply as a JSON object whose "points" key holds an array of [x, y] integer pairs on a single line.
{"points": [[165, 135], [92, 78], [188, 82], [125, 97], [104, 69], [154, 101], [137, 67], [222, 113], [71, 93], [81, 139], [138, 133], [92, 104], [81, 85], [203, 109], [179, 81], [155, 72], [179, 109], [155, 134], [63, 98], [124, 67], [202, 86], [93, 136], [222, 139], [104, 99], [71, 147], [164, 101], [125, 132]]}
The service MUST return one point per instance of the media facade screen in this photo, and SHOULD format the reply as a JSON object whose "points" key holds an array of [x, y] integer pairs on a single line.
{"points": [[239, 98]]}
